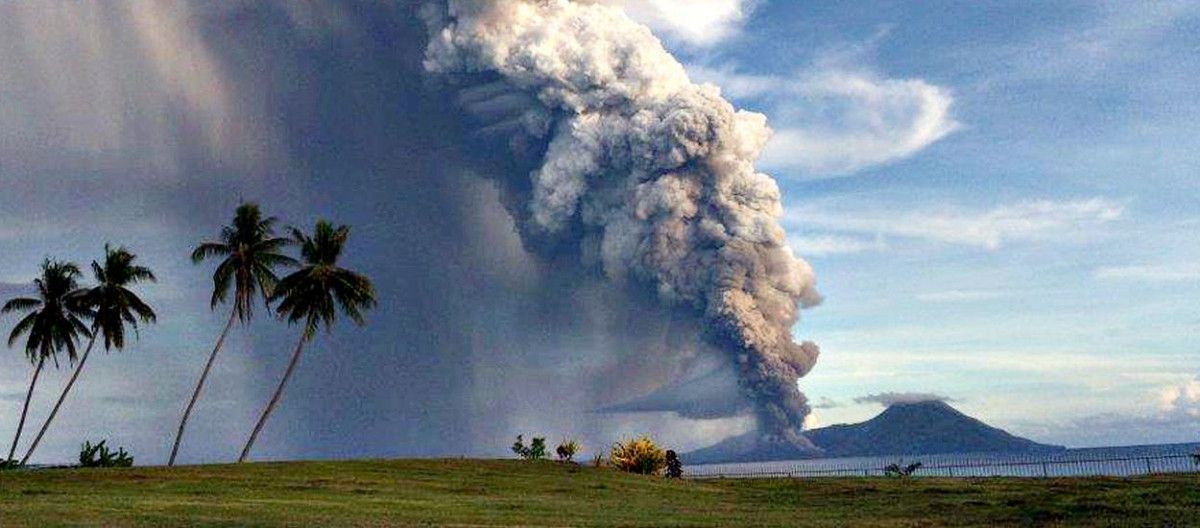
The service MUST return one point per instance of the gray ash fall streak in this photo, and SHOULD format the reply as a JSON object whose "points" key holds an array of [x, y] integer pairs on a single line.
{"points": [[644, 175]]}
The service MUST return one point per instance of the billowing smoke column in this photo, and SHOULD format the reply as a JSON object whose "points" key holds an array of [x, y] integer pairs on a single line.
{"points": [[641, 175]]}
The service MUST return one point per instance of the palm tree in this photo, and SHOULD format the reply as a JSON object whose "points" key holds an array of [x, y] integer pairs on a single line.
{"points": [[313, 294], [250, 253], [53, 322], [112, 305]]}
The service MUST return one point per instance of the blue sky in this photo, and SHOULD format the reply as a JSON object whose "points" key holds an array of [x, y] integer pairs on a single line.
{"points": [[1001, 201]]}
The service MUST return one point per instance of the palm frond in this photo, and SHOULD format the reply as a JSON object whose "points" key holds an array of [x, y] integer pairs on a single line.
{"points": [[22, 327], [20, 304], [209, 250]]}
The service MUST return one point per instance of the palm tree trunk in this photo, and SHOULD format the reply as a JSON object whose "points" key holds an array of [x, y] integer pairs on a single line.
{"points": [[200, 385], [71, 383], [262, 420], [25, 410]]}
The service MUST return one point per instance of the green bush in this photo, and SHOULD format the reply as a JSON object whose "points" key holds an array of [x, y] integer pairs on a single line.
{"points": [[9, 464], [93, 456], [567, 450], [639, 455], [536, 450], [674, 465]]}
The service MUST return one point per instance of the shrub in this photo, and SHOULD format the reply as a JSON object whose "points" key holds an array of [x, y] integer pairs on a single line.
{"points": [[674, 466], [536, 450], [9, 464], [98, 455], [598, 461], [566, 450], [897, 470], [640, 455]]}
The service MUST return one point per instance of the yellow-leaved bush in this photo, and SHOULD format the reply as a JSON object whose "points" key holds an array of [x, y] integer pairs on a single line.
{"points": [[640, 455]]}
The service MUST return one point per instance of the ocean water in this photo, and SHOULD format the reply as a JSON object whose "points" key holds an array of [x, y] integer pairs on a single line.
{"points": [[1094, 461]]}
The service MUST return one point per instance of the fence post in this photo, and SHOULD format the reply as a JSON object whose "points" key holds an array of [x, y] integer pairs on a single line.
{"points": [[950, 469], [1045, 470], [1148, 469]]}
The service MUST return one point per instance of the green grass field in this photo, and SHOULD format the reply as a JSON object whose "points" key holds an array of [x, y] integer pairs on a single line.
{"points": [[514, 493]]}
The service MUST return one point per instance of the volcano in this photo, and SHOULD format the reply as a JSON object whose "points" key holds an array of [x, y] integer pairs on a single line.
{"points": [[923, 428]]}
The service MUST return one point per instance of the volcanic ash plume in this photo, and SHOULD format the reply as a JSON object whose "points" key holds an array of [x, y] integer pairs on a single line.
{"points": [[643, 176]]}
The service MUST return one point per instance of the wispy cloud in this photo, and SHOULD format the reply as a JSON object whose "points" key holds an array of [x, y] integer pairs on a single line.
{"points": [[876, 121], [961, 296], [821, 245], [989, 229], [887, 399], [1150, 273], [826, 403], [839, 119], [695, 22], [1116, 34]]}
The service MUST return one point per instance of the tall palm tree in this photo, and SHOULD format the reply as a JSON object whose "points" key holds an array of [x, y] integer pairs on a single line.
{"points": [[250, 253], [313, 294], [112, 305], [54, 322]]}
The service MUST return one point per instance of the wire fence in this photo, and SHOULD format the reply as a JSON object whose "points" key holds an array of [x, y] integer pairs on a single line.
{"points": [[946, 466]]}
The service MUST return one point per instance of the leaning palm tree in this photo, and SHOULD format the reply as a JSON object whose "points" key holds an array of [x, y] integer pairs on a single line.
{"points": [[250, 253], [112, 305], [312, 295], [53, 321]]}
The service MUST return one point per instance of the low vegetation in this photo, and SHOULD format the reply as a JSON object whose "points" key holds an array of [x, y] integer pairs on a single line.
{"points": [[536, 450], [640, 455], [900, 469], [567, 450], [99, 456], [508, 493]]}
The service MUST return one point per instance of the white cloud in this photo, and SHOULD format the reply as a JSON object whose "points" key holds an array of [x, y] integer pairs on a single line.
{"points": [[696, 22], [1176, 419], [1150, 273], [839, 120], [1023, 221], [879, 121], [1181, 400]]}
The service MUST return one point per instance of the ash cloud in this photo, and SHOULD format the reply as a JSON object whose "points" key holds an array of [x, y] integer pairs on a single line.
{"points": [[644, 177], [888, 399], [497, 316]]}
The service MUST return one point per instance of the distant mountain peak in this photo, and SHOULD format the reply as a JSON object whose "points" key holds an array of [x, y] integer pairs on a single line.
{"points": [[908, 428]]}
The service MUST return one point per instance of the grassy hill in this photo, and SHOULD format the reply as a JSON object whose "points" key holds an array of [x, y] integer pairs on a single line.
{"points": [[495, 493]]}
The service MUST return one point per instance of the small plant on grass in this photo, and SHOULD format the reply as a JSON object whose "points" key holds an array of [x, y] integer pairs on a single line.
{"points": [[639, 455], [10, 463], [598, 461], [567, 450], [898, 470], [536, 450], [99, 456]]}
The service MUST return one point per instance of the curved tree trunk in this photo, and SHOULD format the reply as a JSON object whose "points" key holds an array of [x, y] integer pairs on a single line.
{"points": [[262, 420], [25, 410], [54, 412], [200, 385]]}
